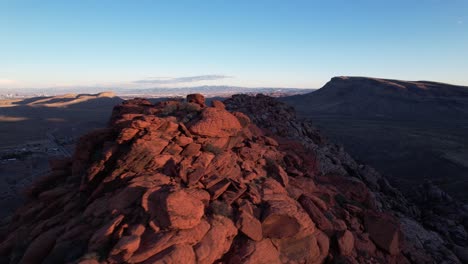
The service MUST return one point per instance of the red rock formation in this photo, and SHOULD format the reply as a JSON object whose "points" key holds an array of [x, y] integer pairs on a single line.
{"points": [[197, 99], [215, 122], [175, 183]]}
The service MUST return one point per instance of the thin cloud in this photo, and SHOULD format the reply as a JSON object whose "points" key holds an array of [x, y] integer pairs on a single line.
{"points": [[7, 81], [186, 79]]}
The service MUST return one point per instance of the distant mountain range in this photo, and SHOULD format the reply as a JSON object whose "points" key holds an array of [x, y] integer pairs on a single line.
{"points": [[211, 91]]}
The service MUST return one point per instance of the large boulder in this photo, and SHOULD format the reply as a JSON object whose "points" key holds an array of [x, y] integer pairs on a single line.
{"points": [[215, 122], [196, 99], [384, 230]]}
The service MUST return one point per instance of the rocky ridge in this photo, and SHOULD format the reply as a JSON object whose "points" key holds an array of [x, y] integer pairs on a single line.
{"points": [[433, 223], [365, 97], [237, 182]]}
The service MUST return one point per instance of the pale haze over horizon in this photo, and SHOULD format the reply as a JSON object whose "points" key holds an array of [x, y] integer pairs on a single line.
{"points": [[300, 44]]}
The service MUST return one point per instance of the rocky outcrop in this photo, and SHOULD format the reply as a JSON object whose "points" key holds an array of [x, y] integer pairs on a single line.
{"points": [[180, 182], [430, 229]]}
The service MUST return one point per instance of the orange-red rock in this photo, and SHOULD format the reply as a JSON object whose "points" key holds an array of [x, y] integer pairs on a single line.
{"points": [[384, 231], [217, 241], [218, 104], [346, 242], [197, 99], [250, 226], [216, 122]]}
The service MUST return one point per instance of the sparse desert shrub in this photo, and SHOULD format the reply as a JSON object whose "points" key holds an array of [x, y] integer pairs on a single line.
{"points": [[191, 107], [220, 208], [18, 155], [342, 200], [213, 149], [170, 108]]}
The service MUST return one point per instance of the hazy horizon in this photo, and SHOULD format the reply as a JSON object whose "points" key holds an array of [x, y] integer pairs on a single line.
{"points": [[249, 44], [128, 88]]}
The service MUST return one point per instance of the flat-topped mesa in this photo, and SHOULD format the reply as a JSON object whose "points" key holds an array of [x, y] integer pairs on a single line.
{"points": [[398, 87], [182, 182]]}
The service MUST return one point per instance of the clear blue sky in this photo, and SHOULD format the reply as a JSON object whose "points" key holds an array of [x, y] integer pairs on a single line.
{"points": [[248, 43]]}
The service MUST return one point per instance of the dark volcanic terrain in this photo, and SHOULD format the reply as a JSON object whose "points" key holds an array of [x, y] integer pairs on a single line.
{"points": [[36, 129], [409, 131]]}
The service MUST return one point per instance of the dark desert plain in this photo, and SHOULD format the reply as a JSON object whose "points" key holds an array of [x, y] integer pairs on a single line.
{"points": [[33, 130]]}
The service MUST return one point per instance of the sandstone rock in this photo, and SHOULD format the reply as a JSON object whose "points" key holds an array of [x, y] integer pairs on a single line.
{"points": [[219, 188], [216, 145], [299, 249], [218, 104], [244, 120], [191, 149], [271, 188], [184, 141], [195, 175], [150, 245], [102, 235], [346, 242], [204, 159], [125, 248], [250, 226], [50, 194], [125, 198], [216, 122], [217, 241], [174, 254], [315, 213], [232, 195], [137, 230], [280, 220], [200, 194], [40, 247], [339, 225], [162, 159], [126, 134], [173, 149], [197, 99], [270, 141], [384, 231], [252, 252], [281, 175], [364, 245], [184, 211], [323, 242]]}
